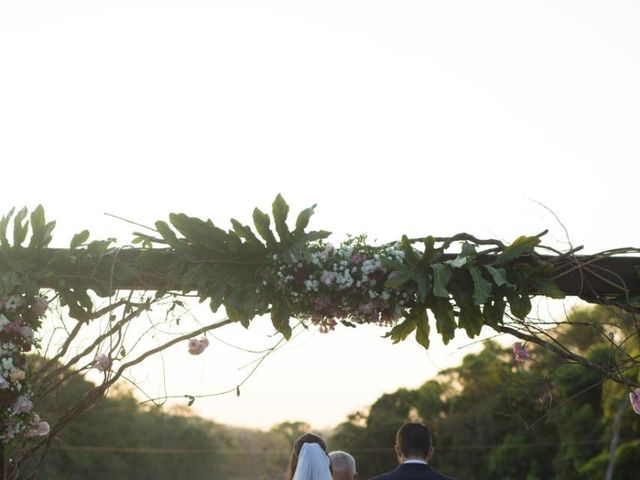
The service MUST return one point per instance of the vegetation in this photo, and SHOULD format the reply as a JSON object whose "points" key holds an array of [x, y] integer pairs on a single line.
{"points": [[497, 419]]}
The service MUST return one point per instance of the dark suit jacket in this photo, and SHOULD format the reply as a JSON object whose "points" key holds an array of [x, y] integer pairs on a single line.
{"points": [[412, 471]]}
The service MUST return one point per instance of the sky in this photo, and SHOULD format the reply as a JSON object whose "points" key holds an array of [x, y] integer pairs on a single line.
{"points": [[413, 117]]}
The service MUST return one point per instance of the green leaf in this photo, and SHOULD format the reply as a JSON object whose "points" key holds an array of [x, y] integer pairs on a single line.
{"points": [[521, 246], [167, 233], [457, 262], [245, 232], [199, 232], [303, 220], [78, 239], [481, 287], [280, 212], [429, 250], [423, 285], [549, 289], [4, 224], [410, 255], [422, 325], [261, 221], [280, 314], [398, 278], [468, 250], [493, 312], [445, 319], [441, 277], [38, 227], [20, 230], [519, 304], [499, 276], [402, 330]]}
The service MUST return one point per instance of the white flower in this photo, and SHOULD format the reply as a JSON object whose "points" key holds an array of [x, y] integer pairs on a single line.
{"points": [[3, 383], [7, 363], [22, 405], [13, 302], [26, 332]]}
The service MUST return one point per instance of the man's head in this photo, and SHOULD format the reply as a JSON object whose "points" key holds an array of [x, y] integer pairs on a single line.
{"points": [[413, 440], [344, 466]]}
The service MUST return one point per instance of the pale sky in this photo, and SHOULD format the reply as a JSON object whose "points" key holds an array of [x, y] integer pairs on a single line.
{"points": [[425, 117]]}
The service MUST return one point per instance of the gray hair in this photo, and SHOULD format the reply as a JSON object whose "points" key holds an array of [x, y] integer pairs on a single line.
{"points": [[343, 461]]}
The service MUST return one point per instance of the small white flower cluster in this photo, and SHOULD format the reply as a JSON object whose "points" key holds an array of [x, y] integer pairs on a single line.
{"points": [[345, 283], [19, 315]]}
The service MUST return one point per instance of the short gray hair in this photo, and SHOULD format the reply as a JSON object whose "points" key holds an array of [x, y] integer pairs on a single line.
{"points": [[343, 461]]}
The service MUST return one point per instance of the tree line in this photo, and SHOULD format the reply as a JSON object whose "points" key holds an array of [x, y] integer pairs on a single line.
{"points": [[492, 416]]}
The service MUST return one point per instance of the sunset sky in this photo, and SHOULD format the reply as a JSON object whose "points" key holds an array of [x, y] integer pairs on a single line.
{"points": [[416, 117]]}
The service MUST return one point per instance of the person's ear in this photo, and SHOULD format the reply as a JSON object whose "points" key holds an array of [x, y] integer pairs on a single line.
{"points": [[430, 454], [399, 453]]}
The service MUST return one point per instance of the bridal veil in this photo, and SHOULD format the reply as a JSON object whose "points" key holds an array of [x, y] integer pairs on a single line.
{"points": [[313, 463]]}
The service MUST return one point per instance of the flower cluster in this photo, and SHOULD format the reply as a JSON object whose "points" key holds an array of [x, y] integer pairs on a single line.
{"points": [[520, 352], [345, 283], [19, 317], [634, 398], [197, 346]]}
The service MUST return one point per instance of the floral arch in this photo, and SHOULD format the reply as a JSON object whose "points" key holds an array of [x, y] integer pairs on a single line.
{"points": [[411, 287]]}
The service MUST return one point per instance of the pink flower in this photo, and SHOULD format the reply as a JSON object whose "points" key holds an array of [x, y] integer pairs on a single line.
{"points": [[40, 428], [22, 405], [357, 259], [197, 346], [103, 362], [40, 306], [634, 398], [17, 374], [521, 353]]}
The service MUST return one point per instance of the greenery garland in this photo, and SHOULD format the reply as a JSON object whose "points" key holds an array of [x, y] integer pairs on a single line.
{"points": [[272, 268]]}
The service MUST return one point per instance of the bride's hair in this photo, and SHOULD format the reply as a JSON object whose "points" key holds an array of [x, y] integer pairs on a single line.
{"points": [[297, 446]]}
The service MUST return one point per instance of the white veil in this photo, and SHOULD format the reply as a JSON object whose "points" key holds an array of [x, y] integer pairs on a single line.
{"points": [[313, 463]]}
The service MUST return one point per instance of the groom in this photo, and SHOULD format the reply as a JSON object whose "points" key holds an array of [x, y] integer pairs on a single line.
{"points": [[413, 448]]}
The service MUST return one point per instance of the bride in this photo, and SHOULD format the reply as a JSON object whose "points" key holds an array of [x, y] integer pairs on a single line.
{"points": [[309, 459]]}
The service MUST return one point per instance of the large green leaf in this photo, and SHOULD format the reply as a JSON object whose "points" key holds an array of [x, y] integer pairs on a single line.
{"points": [[481, 287], [280, 314], [519, 304], [402, 330], [521, 246], [246, 233], [199, 232], [280, 212], [445, 318], [262, 223], [422, 325], [429, 250], [78, 239], [398, 278], [410, 255], [499, 275], [19, 229], [167, 234], [303, 220], [441, 277], [493, 311]]}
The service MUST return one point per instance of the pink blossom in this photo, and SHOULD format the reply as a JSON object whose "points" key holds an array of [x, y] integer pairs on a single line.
{"points": [[40, 428], [634, 398], [357, 259], [40, 306], [521, 353], [22, 405], [197, 346], [103, 362], [17, 374]]}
